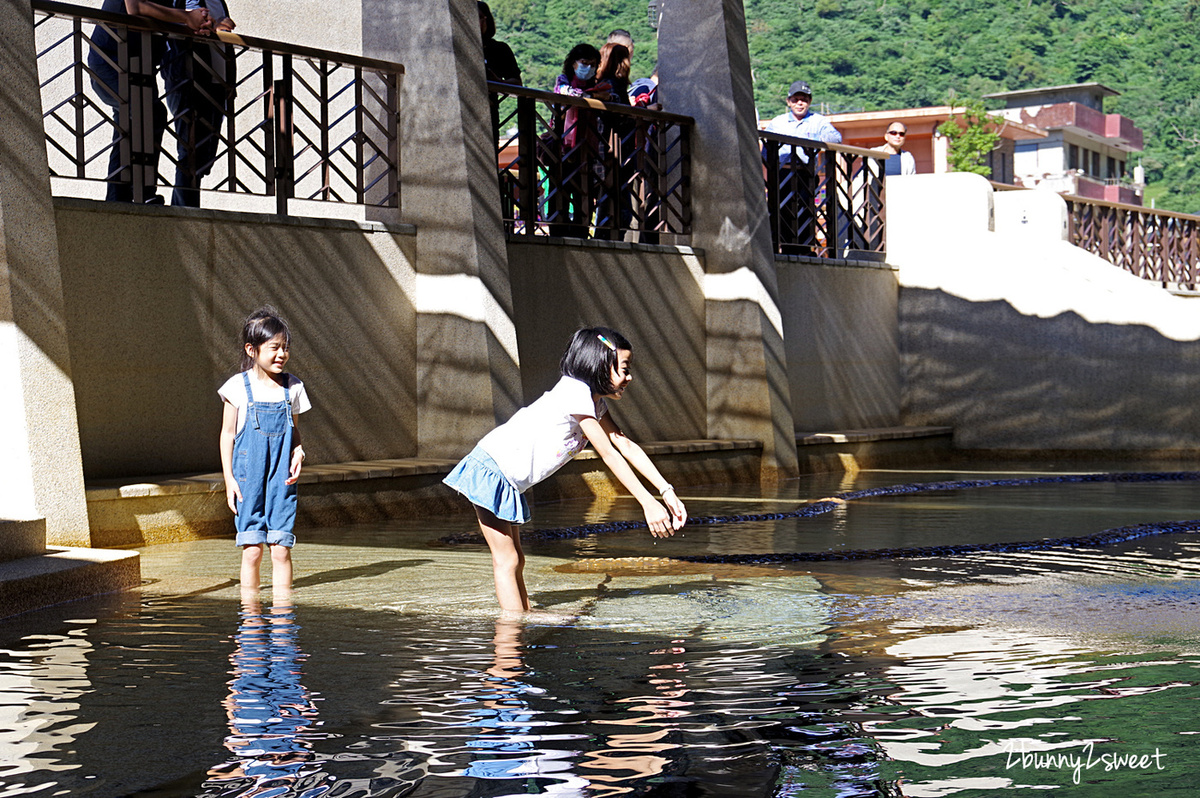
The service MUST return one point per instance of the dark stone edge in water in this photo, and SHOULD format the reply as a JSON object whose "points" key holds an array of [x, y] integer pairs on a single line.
{"points": [[1105, 538]]}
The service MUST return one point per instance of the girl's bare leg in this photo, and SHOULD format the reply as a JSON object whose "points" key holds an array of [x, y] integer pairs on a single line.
{"points": [[508, 560], [251, 561], [281, 567]]}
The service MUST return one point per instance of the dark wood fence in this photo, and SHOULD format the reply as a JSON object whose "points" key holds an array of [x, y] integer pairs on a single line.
{"points": [[825, 200], [1160, 246], [582, 168], [241, 114]]}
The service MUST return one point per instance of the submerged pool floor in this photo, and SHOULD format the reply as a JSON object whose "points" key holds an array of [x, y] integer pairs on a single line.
{"points": [[388, 673]]}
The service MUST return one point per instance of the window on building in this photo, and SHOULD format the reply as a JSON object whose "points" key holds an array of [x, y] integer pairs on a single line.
{"points": [[1095, 164], [1112, 167], [1073, 156]]}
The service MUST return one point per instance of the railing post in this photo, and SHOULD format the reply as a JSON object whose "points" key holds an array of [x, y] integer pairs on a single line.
{"points": [[771, 159], [527, 165], [393, 136], [285, 159], [80, 60]]}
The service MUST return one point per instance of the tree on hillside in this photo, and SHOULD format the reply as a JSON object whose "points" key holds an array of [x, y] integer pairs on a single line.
{"points": [[972, 136]]}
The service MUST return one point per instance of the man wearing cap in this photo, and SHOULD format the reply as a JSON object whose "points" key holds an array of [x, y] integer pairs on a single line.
{"points": [[796, 192], [800, 121]]}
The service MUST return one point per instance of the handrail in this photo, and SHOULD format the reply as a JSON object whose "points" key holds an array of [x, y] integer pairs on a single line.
{"points": [[514, 90], [782, 138], [1125, 206], [823, 199], [1156, 245], [262, 117], [148, 24], [579, 167]]}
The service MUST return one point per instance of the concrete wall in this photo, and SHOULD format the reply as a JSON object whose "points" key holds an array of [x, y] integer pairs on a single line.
{"points": [[840, 334], [652, 295], [155, 301], [1021, 341]]}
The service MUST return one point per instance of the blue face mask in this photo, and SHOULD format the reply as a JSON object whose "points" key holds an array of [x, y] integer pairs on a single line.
{"points": [[584, 71]]}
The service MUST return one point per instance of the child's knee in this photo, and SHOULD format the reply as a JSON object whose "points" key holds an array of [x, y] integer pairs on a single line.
{"points": [[252, 554], [281, 554], [509, 559]]}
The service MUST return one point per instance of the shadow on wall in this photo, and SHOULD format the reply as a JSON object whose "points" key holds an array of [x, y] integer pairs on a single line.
{"points": [[652, 298], [1007, 380], [155, 304], [841, 342]]}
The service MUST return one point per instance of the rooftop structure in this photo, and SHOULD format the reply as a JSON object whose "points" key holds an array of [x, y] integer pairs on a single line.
{"points": [[1086, 152]]}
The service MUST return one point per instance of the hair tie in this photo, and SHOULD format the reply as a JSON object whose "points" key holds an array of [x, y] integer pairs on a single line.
{"points": [[606, 342]]}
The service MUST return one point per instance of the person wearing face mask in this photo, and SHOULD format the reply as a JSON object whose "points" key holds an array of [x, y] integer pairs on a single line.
{"points": [[578, 171]]}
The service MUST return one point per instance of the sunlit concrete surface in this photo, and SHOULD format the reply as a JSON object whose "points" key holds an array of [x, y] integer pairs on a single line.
{"points": [[62, 575]]}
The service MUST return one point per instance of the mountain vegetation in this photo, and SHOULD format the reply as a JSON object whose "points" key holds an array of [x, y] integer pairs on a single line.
{"points": [[879, 54]]}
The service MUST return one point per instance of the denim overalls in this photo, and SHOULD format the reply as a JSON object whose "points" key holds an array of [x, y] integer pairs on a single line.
{"points": [[262, 453]]}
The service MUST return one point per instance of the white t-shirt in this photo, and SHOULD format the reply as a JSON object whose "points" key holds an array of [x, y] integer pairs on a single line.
{"points": [[234, 392], [542, 437]]}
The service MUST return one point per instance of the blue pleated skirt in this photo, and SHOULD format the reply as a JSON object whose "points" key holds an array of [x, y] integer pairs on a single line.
{"points": [[479, 479]]}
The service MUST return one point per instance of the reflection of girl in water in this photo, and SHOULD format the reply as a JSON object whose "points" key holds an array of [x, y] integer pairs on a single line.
{"points": [[507, 746], [269, 710]]}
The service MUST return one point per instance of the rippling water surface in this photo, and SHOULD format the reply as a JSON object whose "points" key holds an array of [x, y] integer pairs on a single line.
{"points": [[1066, 670]]}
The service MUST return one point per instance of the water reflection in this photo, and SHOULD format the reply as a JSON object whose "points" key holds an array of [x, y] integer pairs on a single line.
{"points": [[506, 743], [270, 712]]}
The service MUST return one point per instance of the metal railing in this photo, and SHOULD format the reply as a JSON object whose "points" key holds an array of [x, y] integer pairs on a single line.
{"points": [[576, 167], [245, 115], [825, 200], [1160, 246]]}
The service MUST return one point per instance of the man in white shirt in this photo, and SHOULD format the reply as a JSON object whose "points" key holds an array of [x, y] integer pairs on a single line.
{"points": [[797, 189], [802, 122]]}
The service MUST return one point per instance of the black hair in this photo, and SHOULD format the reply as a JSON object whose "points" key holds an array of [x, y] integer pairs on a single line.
{"points": [[261, 326], [589, 359], [489, 27], [620, 33], [580, 52]]}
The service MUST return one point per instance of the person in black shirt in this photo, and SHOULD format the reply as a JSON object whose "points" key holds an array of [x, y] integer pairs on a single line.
{"points": [[499, 62]]}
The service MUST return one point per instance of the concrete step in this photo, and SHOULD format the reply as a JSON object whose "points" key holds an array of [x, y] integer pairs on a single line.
{"points": [[139, 511], [879, 447], [63, 574]]}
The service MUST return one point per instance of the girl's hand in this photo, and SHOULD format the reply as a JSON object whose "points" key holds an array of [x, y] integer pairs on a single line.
{"points": [[294, 469], [233, 494], [658, 519], [226, 25], [678, 511]]}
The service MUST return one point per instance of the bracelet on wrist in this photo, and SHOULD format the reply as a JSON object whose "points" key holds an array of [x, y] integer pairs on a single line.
{"points": [[666, 489]]}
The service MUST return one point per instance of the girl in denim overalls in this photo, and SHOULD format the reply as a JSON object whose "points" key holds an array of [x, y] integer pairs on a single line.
{"points": [[261, 454]]}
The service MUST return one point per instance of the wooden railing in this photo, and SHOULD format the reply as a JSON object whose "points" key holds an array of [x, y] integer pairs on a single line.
{"points": [[825, 200], [246, 115], [580, 168], [1160, 246]]}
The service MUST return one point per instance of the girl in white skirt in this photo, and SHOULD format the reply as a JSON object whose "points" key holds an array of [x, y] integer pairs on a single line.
{"points": [[541, 438]]}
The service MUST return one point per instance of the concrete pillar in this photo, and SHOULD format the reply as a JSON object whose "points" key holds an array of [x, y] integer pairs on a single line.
{"points": [[468, 371], [941, 154], [704, 70], [41, 473]]}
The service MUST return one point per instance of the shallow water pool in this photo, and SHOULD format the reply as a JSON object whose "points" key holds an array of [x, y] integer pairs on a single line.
{"points": [[388, 674]]}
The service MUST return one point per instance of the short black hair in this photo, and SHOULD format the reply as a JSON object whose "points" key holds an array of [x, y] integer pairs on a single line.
{"points": [[580, 52], [589, 359], [261, 326], [489, 27]]}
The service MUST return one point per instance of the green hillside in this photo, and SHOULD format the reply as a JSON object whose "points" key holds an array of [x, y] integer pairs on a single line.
{"points": [[877, 54]]}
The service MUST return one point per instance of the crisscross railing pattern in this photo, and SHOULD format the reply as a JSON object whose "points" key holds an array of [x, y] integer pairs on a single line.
{"points": [[1160, 246], [143, 106], [825, 200], [576, 167]]}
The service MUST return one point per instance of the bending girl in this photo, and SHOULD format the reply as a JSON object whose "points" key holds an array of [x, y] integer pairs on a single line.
{"points": [[541, 438]]}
